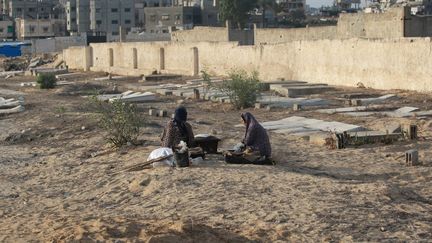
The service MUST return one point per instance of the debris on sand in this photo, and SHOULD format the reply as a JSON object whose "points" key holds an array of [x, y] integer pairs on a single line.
{"points": [[10, 106]]}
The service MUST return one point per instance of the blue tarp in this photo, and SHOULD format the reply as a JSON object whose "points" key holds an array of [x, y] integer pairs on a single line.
{"points": [[12, 49]]}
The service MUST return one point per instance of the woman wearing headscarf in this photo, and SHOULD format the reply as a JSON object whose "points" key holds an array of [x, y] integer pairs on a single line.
{"points": [[177, 130], [255, 144]]}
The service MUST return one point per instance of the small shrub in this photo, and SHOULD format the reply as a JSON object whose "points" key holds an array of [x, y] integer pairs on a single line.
{"points": [[207, 81], [120, 120], [243, 89], [46, 81]]}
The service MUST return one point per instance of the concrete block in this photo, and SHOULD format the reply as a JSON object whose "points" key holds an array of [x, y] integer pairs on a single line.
{"points": [[196, 94], [153, 112], [302, 90], [164, 92], [356, 102], [410, 131], [162, 113], [297, 107], [411, 157], [160, 77]]}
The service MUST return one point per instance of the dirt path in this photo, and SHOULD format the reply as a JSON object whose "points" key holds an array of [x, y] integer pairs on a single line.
{"points": [[52, 189]]}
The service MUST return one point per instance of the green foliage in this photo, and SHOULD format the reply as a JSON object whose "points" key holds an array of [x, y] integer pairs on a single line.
{"points": [[296, 19], [120, 120], [46, 81], [243, 89], [236, 10], [60, 110], [207, 81]]}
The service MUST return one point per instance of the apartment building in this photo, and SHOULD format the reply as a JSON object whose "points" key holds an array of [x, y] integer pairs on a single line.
{"points": [[39, 28], [100, 17], [29, 9], [107, 16], [6, 27]]}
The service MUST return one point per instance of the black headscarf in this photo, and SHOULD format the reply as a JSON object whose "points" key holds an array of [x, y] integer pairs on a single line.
{"points": [[180, 118]]}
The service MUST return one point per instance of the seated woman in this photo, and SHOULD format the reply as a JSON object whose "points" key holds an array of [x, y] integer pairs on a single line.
{"points": [[178, 130], [256, 143]]}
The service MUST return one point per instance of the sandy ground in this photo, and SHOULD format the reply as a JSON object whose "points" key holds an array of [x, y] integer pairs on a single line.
{"points": [[53, 190]]}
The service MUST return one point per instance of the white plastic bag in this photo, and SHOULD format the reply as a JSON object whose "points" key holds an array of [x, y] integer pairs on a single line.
{"points": [[161, 153]]}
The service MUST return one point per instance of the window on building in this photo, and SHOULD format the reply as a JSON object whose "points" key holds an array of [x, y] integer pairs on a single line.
{"points": [[1, 30], [32, 29], [114, 21], [45, 29], [127, 21], [73, 20], [165, 17], [153, 18], [18, 9], [98, 21], [115, 33], [31, 10], [188, 17], [178, 17], [127, 10], [114, 10], [98, 10]]}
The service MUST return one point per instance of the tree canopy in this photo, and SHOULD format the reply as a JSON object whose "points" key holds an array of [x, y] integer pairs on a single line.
{"points": [[236, 10]]}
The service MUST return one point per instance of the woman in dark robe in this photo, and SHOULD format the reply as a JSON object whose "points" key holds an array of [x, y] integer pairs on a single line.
{"points": [[255, 145], [256, 138], [178, 130]]}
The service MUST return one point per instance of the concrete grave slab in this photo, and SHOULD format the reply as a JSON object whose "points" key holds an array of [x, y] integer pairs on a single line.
{"points": [[311, 124], [70, 76], [302, 90], [13, 110], [366, 101]]}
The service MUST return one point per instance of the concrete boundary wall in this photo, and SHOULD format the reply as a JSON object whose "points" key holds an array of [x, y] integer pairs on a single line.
{"points": [[383, 64]]}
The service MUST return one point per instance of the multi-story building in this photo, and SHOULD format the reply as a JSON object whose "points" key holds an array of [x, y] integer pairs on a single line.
{"points": [[29, 9], [292, 5], [78, 16], [100, 17], [6, 27], [107, 16], [39, 28], [182, 15], [164, 19], [345, 5]]}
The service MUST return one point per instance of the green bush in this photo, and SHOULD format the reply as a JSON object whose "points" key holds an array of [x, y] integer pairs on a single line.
{"points": [[120, 120], [46, 81], [206, 81], [243, 89]]}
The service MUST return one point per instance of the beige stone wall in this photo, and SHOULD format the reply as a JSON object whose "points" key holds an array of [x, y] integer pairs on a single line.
{"points": [[361, 25], [372, 25], [382, 64], [78, 57], [198, 34], [280, 35]]}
